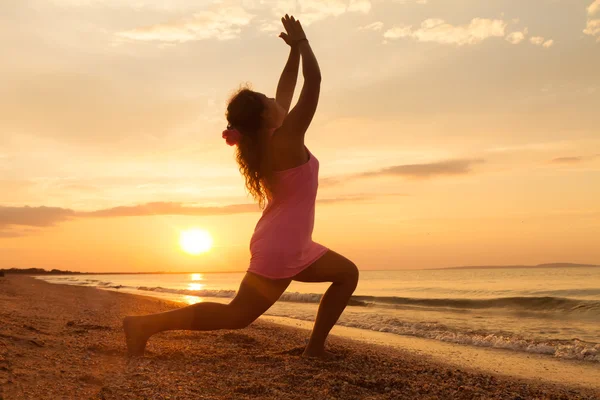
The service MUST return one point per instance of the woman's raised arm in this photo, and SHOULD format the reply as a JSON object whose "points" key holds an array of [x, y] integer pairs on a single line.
{"points": [[298, 120], [289, 77]]}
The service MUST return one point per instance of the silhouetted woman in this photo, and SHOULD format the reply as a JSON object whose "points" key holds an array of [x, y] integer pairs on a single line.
{"points": [[282, 176]]}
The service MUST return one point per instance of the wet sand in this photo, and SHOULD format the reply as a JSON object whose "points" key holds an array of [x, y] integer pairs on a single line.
{"points": [[66, 342]]}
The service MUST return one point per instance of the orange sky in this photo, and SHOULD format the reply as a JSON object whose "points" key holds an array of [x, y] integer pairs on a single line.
{"points": [[447, 135]]}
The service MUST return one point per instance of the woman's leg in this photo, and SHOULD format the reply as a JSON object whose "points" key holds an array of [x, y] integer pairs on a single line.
{"points": [[255, 296], [343, 274]]}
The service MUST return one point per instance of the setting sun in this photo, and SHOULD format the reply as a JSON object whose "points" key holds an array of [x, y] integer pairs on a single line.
{"points": [[195, 241]]}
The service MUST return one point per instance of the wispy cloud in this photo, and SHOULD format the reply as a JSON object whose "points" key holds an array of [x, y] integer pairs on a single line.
{"points": [[10, 234], [516, 37], [171, 5], [439, 31], [537, 40], [226, 22], [411, 171], [543, 146], [374, 26], [270, 26], [592, 27], [310, 11], [218, 23], [566, 160], [12, 218], [427, 171], [548, 43], [541, 41], [574, 159], [34, 216], [169, 208], [363, 6]]}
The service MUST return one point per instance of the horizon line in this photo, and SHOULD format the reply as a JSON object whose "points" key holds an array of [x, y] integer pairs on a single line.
{"points": [[513, 266]]}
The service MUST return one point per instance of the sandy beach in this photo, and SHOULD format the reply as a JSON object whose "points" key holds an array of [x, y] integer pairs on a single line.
{"points": [[66, 342]]}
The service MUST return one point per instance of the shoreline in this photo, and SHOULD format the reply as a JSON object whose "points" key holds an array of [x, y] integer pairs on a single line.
{"points": [[61, 341], [529, 366]]}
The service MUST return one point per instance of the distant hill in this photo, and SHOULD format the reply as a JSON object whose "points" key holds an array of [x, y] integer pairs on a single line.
{"points": [[36, 271], [549, 265]]}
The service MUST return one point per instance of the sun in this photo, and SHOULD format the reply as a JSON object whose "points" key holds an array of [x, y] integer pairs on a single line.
{"points": [[195, 241]]}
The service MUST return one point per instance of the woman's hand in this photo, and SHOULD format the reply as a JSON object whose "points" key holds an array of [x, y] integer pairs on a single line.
{"points": [[295, 34]]}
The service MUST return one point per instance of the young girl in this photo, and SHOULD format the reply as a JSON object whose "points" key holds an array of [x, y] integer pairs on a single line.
{"points": [[282, 174]]}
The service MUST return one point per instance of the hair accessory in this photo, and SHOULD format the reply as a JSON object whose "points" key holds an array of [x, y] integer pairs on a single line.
{"points": [[232, 136]]}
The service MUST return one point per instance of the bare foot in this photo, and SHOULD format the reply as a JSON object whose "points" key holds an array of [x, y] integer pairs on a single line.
{"points": [[322, 355], [134, 336]]}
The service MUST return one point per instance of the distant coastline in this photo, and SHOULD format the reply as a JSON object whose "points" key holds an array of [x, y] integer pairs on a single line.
{"points": [[548, 265], [41, 271], [37, 271]]}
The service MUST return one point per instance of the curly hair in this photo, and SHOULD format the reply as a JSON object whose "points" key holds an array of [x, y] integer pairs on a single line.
{"points": [[244, 113]]}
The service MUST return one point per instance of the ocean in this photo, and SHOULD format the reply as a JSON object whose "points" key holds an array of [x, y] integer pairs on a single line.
{"points": [[553, 311]]}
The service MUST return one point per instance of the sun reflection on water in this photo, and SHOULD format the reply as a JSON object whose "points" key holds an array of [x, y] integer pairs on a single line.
{"points": [[196, 286], [197, 277], [193, 299]]}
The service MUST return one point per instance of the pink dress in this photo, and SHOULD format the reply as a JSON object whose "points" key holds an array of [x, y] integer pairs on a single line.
{"points": [[282, 244]]}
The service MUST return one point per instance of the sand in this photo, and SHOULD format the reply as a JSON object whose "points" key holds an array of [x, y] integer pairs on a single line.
{"points": [[66, 342], [492, 360]]}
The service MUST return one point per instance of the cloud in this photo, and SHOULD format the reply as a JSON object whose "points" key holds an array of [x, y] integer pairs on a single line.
{"points": [[268, 26], [574, 159], [34, 216], [516, 37], [411, 171], [14, 217], [10, 234], [593, 28], [169, 208], [311, 11], [537, 40], [427, 171], [171, 5], [544, 146], [219, 23], [398, 32], [541, 41], [594, 8], [548, 43], [374, 26], [363, 6], [225, 23], [566, 160], [438, 31]]}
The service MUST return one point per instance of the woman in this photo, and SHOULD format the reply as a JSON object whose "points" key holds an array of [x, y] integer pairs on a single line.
{"points": [[281, 173]]}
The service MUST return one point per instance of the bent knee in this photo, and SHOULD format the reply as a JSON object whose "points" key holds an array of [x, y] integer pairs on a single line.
{"points": [[351, 274]]}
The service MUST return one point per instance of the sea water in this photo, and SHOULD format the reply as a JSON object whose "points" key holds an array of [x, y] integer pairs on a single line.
{"points": [[554, 311]]}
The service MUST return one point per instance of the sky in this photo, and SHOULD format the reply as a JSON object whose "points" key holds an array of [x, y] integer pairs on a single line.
{"points": [[449, 133]]}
